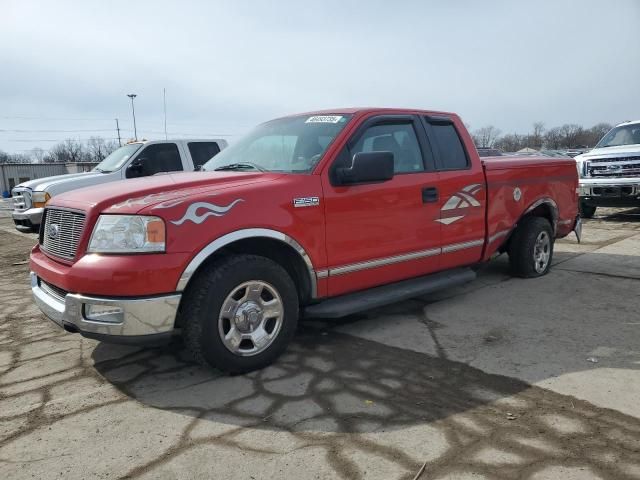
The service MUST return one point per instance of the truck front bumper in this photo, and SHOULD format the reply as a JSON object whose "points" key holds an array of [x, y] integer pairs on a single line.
{"points": [[143, 320], [622, 192], [27, 220]]}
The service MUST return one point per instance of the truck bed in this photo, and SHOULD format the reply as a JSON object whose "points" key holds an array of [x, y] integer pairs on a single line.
{"points": [[514, 183]]}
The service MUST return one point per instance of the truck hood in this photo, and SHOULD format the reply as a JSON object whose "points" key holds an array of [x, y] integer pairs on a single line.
{"points": [[58, 182], [134, 195], [610, 152]]}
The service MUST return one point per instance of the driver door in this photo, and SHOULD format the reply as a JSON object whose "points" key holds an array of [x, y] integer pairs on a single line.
{"points": [[378, 233], [156, 158]]}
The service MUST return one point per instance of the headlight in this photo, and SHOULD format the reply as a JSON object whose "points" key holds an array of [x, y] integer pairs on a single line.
{"points": [[39, 199], [127, 234]]}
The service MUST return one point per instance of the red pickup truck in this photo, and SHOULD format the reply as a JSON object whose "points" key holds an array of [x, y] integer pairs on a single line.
{"points": [[321, 214]]}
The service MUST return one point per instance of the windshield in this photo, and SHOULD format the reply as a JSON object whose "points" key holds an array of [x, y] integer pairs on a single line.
{"points": [[623, 135], [117, 158], [290, 145]]}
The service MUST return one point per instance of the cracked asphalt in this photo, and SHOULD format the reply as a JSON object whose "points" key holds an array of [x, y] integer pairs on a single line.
{"points": [[499, 379]]}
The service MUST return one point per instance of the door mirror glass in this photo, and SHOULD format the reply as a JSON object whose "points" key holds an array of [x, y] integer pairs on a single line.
{"points": [[135, 168], [367, 167]]}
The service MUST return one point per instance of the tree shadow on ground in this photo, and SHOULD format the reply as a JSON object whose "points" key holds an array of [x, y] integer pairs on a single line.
{"points": [[346, 394]]}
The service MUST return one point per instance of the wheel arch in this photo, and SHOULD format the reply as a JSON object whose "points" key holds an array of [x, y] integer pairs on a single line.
{"points": [[544, 207], [272, 244]]}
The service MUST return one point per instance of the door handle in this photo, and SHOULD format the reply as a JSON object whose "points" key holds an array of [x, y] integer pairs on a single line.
{"points": [[429, 195]]}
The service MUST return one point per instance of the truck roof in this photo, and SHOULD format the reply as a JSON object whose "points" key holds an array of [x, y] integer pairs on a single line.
{"points": [[355, 110], [628, 122], [145, 142]]}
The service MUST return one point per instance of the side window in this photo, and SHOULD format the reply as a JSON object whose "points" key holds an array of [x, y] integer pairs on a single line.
{"points": [[397, 138], [202, 152], [452, 154], [160, 157]]}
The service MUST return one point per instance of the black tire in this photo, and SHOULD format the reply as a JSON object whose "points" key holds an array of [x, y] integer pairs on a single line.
{"points": [[587, 211], [203, 301], [522, 247]]}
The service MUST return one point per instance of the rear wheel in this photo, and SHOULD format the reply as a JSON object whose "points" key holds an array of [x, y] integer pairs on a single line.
{"points": [[587, 211], [531, 248], [240, 314]]}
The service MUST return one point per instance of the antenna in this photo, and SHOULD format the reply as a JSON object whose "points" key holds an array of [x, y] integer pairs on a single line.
{"points": [[164, 101]]}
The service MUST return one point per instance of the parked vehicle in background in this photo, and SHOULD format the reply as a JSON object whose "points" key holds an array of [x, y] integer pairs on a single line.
{"points": [[489, 152], [324, 213], [555, 153], [610, 173], [574, 152], [133, 160]]}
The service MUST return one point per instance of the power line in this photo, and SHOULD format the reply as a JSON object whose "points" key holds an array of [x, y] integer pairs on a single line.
{"points": [[54, 140], [34, 117], [56, 131]]}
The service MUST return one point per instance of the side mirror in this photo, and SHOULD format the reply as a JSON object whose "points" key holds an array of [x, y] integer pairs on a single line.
{"points": [[134, 169], [367, 167]]}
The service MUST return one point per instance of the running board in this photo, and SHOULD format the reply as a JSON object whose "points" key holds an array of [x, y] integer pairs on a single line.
{"points": [[379, 296]]}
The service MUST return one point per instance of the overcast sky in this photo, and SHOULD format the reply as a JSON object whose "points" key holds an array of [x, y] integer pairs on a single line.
{"points": [[66, 66]]}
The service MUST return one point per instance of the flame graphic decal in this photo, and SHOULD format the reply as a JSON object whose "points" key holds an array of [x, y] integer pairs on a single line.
{"points": [[211, 209]]}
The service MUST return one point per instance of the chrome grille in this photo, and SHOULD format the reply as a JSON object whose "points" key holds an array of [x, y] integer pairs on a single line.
{"points": [[614, 167], [55, 292], [61, 232]]}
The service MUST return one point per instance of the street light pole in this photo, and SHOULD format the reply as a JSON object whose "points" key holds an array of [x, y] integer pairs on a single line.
{"points": [[133, 110]]}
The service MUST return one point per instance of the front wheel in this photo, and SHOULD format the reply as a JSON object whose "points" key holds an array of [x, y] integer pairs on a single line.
{"points": [[531, 248], [240, 313]]}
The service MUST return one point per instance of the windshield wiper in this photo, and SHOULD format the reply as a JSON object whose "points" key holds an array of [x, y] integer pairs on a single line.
{"points": [[241, 166]]}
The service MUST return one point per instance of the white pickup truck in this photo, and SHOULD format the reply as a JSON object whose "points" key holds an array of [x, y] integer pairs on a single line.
{"points": [[136, 159], [610, 173]]}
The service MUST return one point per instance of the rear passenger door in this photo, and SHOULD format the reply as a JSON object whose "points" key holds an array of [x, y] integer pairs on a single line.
{"points": [[202, 152], [378, 233], [462, 195]]}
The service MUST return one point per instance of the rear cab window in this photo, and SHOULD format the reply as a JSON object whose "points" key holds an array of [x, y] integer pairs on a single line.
{"points": [[202, 152], [447, 142]]}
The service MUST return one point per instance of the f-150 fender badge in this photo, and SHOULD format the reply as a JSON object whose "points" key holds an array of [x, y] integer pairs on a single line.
{"points": [[306, 202], [209, 209], [455, 207]]}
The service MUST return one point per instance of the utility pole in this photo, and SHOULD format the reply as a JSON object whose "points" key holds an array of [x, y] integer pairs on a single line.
{"points": [[133, 110], [164, 101], [118, 129]]}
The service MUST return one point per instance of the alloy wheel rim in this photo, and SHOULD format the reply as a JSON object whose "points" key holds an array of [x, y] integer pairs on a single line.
{"points": [[251, 318], [542, 252]]}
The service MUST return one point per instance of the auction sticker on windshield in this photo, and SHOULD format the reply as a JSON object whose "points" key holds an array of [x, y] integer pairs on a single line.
{"points": [[324, 119]]}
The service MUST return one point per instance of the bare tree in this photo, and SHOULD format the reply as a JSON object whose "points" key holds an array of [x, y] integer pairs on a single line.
{"points": [[511, 142], [96, 149], [536, 139], [571, 134], [69, 151], [596, 132], [485, 137], [553, 138], [4, 157], [37, 155]]}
